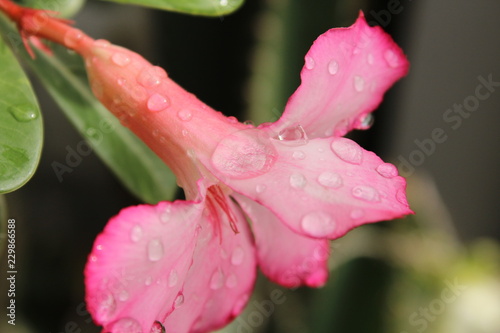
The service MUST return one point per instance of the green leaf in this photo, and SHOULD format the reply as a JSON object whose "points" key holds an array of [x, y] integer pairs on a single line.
{"points": [[63, 8], [21, 127], [194, 7], [140, 170]]}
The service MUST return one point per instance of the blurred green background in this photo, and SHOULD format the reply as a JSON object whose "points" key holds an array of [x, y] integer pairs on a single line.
{"points": [[437, 271]]}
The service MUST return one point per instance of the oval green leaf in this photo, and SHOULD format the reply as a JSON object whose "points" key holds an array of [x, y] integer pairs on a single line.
{"points": [[21, 127], [193, 7]]}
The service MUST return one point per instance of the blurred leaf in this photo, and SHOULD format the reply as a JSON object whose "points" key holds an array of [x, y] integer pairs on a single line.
{"points": [[21, 127], [139, 169], [194, 7], [63, 8]]}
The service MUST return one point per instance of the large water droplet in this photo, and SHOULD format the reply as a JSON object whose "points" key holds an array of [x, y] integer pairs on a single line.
{"points": [[151, 76], [366, 122], [347, 150], [359, 83], [23, 113], [310, 63], [391, 58], [297, 180], [185, 115], [136, 233], [157, 327], [387, 170], [155, 250], [72, 37], [330, 179], [299, 155], [120, 59], [237, 256], [217, 280], [244, 154], [318, 224], [366, 193], [293, 136], [106, 306], [179, 300], [126, 325], [157, 102], [173, 278], [333, 67]]}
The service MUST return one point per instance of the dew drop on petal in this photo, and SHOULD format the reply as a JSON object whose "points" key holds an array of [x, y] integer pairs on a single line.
{"points": [[217, 280], [359, 83], [370, 59], [297, 180], [366, 122], [179, 300], [155, 250], [120, 59], [72, 37], [347, 150], [184, 115], [123, 295], [136, 233], [126, 325], [231, 281], [237, 256], [121, 81], [157, 327], [357, 213], [333, 67], [366, 193], [318, 224], [293, 136], [387, 170], [157, 102], [22, 113], [106, 306], [330, 179], [173, 278], [260, 188], [298, 155], [165, 215], [310, 62], [391, 58], [102, 43]]}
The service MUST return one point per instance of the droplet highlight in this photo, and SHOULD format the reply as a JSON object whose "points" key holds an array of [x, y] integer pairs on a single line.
{"points": [[318, 224], [347, 150], [185, 115], [120, 59], [297, 180], [151, 76], [136, 233], [155, 250], [73, 37], [387, 170], [310, 63], [179, 300], [366, 122], [157, 327], [333, 67], [293, 136], [330, 179], [23, 114], [366, 193], [157, 103]]}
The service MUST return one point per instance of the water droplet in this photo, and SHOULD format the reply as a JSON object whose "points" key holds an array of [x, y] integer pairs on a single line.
{"points": [[333, 67], [370, 59], [185, 132], [260, 188], [179, 300], [157, 327], [165, 215], [310, 62], [231, 281], [366, 193], [217, 280], [148, 281], [223, 3], [23, 113], [184, 115], [318, 224], [293, 136], [106, 306], [126, 325], [391, 58], [347, 150], [299, 155], [121, 81], [136, 233], [244, 154], [366, 122], [232, 120], [249, 123], [401, 197], [155, 250], [387, 170], [120, 59], [330, 179], [151, 76], [357, 213], [102, 43], [157, 102], [173, 278], [123, 295], [237, 256], [73, 37], [297, 180], [359, 83]]}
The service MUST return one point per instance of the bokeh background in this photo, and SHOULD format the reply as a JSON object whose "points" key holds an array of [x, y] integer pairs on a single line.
{"points": [[438, 271]]}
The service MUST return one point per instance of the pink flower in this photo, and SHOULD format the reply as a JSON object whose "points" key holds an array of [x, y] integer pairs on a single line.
{"points": [[190, 265]]}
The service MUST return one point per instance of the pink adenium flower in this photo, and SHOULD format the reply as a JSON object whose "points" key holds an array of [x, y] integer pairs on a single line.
{"points": [[190, 265]]}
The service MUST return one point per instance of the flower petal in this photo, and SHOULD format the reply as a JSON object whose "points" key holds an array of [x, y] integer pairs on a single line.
{"points": [[220, 281], [322, 188], [346, 73], [138, 264], [284, 256]]}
